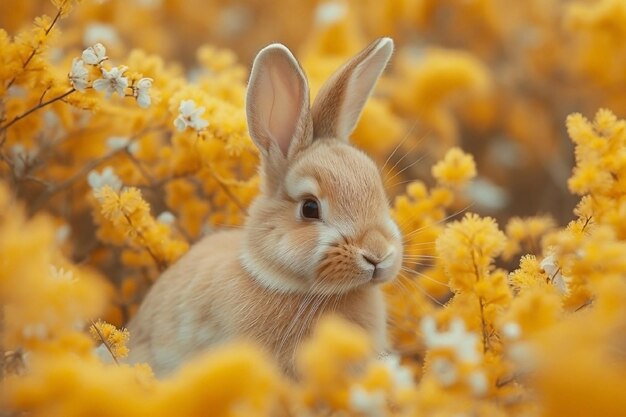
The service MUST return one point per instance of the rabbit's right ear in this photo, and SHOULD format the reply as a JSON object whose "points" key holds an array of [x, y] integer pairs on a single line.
{"points": [[277, 104]]}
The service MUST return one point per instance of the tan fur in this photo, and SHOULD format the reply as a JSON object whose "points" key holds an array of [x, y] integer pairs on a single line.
{"points": [[271, 282]]}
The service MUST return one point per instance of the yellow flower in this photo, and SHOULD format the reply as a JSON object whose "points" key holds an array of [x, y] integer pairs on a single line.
{"points": [[467, 249], [456, 168], [115, 340]]}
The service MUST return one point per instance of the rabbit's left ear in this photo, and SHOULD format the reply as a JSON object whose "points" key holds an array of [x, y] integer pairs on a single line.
{"points": [[341, 99], [277, 103]]}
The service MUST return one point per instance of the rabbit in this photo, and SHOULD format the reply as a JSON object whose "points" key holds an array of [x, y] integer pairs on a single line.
{"points": [[318, 239]]}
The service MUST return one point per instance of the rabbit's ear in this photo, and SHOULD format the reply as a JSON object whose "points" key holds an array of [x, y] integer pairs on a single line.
{"points": [[341, 99], [277, 103]]}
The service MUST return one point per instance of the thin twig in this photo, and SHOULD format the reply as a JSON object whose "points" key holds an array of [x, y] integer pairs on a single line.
{"points": [[62, 186], [36, 48], [35, 108], [228, 192], [104, 342], [161, 266], [153, 185], [481, 303]]}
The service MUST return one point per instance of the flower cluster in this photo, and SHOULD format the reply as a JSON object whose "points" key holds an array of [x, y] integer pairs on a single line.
{"points": [[112, 81]]}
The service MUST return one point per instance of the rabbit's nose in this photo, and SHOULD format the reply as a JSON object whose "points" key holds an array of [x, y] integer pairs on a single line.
{"points": [[370, 259], [375, 260]]}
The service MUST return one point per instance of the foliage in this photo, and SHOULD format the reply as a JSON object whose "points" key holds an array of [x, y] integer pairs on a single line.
{"points": [[114, 160]]}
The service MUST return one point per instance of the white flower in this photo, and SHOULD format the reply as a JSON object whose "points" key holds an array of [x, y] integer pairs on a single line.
{"points": [[142, 92], [61, 275], [107, 177], [115, 143], [94, 55], [444, 371], [100, 32], [112, 81], [190, 116], [39, 331], [462, 342], [368, 403], [62, 233], [401, 375], [166, 218], [553, 270], [78, 75], [511, 330], [330, 12], [478, 382]]}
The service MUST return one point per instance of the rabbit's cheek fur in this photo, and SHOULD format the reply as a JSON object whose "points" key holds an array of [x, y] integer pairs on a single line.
{"points": [[279, 250]]}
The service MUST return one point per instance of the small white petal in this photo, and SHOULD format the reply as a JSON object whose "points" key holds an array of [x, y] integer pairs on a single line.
{"points": [[107, 177], [95, 32], [444, 371], [100, 50], [78, 75], [330, 12], [401, 375], [93, 179], [120, 84], [187, 107], [117, 142], [143, 100], [549, 265], [133, 148], [166, 218], [198, 124], [478, 382], [559, 283], [180, 123], [511, 330], [89, 56], [370, 404], [144, 83], [94, 55], [62, 233], [103, 85]]}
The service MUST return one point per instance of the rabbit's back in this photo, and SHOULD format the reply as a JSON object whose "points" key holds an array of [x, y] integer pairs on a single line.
{"points": [[180, 314]]}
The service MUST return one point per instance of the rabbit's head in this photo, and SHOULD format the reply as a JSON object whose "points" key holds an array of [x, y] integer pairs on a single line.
{"points": [[321, 223]]}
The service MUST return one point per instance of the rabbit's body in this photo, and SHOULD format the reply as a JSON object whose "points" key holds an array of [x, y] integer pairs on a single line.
{"points": [[215, 301], [319, 238]]}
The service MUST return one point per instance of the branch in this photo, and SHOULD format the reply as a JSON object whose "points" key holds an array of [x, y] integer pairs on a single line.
{"points": [[33, 109], [47, 194], [36, 48], [228, 192], [161, 266]]}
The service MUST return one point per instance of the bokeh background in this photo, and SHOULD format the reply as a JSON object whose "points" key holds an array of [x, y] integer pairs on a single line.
{"points": [[475, 113]]}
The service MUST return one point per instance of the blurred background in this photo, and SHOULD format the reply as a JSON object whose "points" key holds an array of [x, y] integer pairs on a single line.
{"points": [[495, 77]]}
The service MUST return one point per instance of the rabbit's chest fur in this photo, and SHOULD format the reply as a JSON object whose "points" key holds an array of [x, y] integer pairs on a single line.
{"points": [[207, 298]]}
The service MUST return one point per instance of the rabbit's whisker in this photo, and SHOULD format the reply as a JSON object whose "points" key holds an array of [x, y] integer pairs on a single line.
{"points": [[422, 290], [406, 136]]}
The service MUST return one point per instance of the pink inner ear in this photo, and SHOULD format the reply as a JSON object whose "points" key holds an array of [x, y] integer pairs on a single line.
{"points": [[285, 100]]}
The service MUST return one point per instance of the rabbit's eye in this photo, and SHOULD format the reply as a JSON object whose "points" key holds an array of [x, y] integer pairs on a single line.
{"points": [[310, 209]]}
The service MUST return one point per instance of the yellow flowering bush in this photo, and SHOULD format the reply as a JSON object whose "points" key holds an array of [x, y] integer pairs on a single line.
{"points": [[123, 140]]}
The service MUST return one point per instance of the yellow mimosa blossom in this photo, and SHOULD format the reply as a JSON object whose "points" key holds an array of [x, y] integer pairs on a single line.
{"points": [[114, 340], [455, 169]]}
